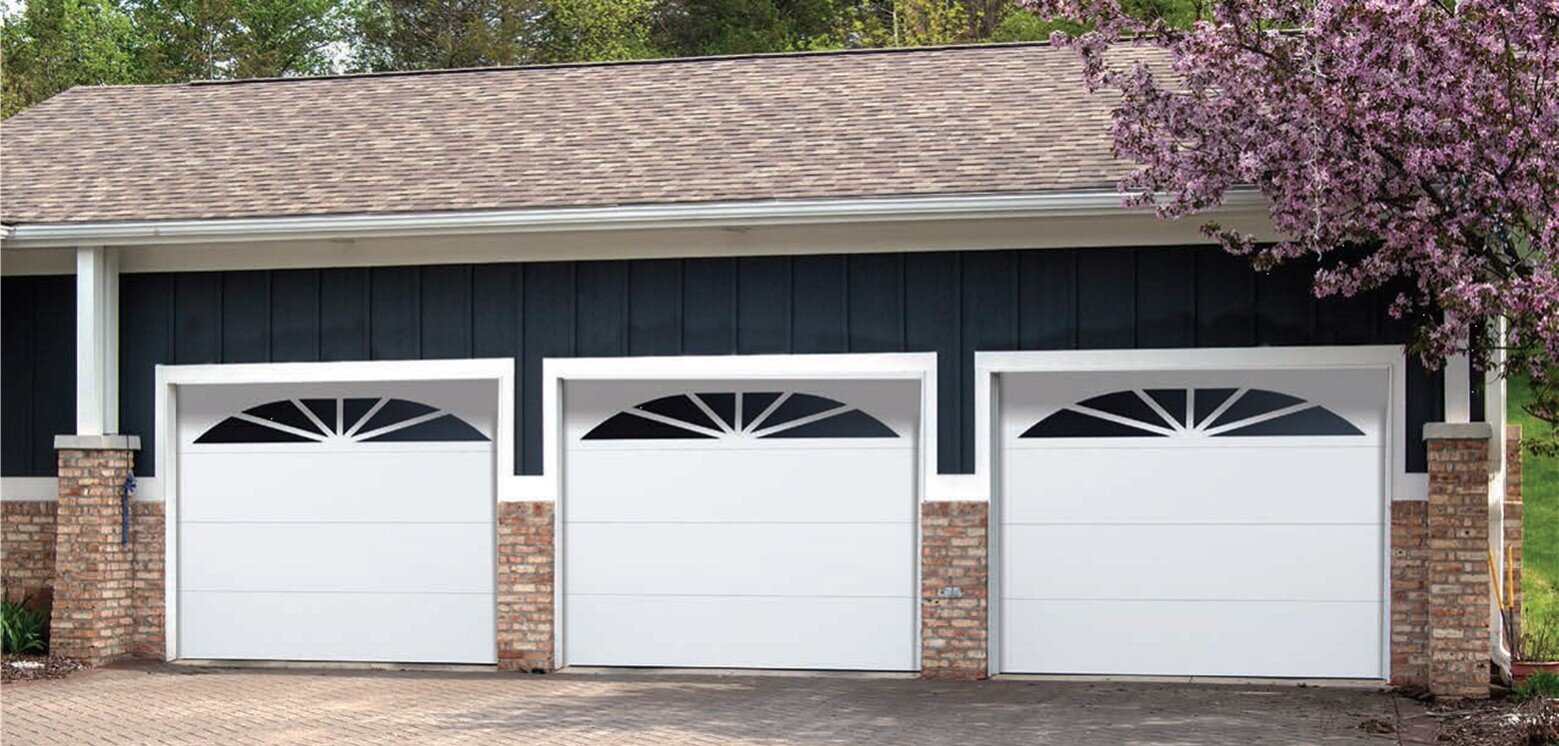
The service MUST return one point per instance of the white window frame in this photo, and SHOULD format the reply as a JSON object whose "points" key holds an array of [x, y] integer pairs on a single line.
{"points": [[1397, 485], [499, 371], [556, 372]]}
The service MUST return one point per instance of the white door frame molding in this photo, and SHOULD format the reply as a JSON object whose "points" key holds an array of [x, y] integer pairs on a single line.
{"points": [[556, 372], [988, 365], [500, 371]]}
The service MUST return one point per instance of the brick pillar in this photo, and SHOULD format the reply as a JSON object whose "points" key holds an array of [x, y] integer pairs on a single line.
{"points": [[953, 589], [1410, 593], [1458, 543], [1513, 509], [525, 586], [93, 618]]}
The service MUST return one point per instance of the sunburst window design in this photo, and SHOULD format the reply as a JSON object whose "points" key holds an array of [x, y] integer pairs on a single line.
{"points": [[748, 414], [1191, 412], [356, 419]]}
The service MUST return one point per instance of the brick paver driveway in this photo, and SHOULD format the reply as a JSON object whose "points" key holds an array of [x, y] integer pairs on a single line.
{"points": [[179, 705]]}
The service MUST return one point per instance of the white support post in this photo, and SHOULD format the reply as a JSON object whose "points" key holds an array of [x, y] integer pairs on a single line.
{"points": [[97, 340], [1458, 389]]}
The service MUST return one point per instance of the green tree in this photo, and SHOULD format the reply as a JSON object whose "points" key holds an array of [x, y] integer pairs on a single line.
{"points": [[423, 35], [51, 45], [591, 30], [209, 39], [713, 27]]}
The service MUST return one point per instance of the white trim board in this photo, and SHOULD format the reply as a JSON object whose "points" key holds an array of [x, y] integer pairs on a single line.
{"points": [[741, 214]]}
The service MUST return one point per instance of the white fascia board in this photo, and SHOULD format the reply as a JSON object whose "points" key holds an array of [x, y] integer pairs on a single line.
{"points": [[691, 215]]}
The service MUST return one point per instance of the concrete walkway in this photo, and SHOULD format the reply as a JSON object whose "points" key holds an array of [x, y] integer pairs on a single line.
{"points": [[177, 705]]}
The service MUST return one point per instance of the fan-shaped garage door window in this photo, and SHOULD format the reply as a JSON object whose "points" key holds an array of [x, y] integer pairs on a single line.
{"points": [[1191, 412], [749, 414], [364, 420]]}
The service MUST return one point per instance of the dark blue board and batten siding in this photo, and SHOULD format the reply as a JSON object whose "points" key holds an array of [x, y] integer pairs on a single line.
{"points": [[953, 304]]}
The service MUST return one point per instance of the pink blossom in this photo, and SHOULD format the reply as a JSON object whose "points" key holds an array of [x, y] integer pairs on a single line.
{"points": [[1407, 143]]}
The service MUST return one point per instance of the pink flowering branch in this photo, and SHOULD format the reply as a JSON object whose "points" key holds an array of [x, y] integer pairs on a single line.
{"points": [[1405, 144]]}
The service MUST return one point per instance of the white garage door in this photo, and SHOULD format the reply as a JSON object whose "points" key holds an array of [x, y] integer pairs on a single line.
{"points": [[767, 525], [336, 523], [1193, 523]]}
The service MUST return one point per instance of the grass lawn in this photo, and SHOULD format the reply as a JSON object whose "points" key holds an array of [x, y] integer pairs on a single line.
{"points": [[1540, 493]]}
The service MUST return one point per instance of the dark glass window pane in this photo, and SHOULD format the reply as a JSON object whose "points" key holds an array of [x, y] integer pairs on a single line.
{"points": [[798, 406], [625, 426], [753, 405], [393, 411], [1126, 404], [353, 410], [325, 410], [1312, 421], [1069, 424], [1208, 400], [851, 424], [285, 413], [1172, 400], [1254, 402], [679, 407], [438, 429], [724, 406], [234, 430]]}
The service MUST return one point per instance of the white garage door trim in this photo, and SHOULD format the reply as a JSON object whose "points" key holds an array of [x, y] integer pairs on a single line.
{"points": [[1397, 485], [920, 367], [500, 372]]}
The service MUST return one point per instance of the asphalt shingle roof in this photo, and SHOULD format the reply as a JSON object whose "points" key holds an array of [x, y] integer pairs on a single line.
{"points": [[907, 122]]}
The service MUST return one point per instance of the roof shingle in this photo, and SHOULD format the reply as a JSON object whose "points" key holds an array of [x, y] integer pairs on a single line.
{"points": [[907, 122]]}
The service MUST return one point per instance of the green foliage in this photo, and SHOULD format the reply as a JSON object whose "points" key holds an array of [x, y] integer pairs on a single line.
{"points": [[590, 30], [21, 628], [51, 45], [1538, 684], [209, 39], [419, 35]]}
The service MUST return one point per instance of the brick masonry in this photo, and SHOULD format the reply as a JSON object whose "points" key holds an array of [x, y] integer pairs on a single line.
{"points": [[954, 593], [93, 617], [1457, 569], [525, 582], [1410, 593], [27, 536], [147, 541]]}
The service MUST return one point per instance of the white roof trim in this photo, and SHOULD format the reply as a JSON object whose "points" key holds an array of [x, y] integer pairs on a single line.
{"points": [[694, 215]]}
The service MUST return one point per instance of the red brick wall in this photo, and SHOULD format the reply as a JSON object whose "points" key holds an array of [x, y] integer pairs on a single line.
{"points": [[953, 555], [525, 586], [27, 541], [147, 534], [1410, 593], [93, 618], [1458, 574]]}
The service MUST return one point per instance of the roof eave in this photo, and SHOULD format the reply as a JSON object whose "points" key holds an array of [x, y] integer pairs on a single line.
{"points": [[1086, 203]]}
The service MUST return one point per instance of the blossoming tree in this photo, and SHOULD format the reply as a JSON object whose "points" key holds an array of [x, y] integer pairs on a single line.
{"points": [[1410, 145]]}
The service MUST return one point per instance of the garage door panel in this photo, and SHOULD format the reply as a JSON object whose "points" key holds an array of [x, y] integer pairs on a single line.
{"points": [[817, 485], [742, 632], [1226, 483], [740, 559], [441, 485], [347, 557], [393, 627], [1209, 638], [1284, 562]]}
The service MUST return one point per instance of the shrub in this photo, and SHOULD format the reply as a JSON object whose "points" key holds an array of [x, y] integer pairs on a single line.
{"points": [[1537, 684], [21, 628]]}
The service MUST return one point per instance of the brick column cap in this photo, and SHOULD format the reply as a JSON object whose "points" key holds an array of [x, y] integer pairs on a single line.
{"points": [[97, 442], [1458, 431]]}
